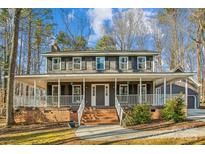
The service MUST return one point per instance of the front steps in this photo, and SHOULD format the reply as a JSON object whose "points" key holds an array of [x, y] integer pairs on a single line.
{"points": [[99, 116]]}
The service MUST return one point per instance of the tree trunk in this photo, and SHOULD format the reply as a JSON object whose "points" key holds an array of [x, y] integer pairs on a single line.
{"points": [[29, 42], [11, 72]]}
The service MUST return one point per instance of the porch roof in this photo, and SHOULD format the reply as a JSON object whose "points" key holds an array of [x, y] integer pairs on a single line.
{"points": [[42, 79]]}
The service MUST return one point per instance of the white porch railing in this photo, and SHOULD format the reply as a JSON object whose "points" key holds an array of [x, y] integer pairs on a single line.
{"points": [[47, 101], [119, 109], [80, 110], [152, 99]]}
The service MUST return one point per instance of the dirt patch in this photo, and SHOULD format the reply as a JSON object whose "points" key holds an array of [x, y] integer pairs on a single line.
{"points": [[164, 125]]}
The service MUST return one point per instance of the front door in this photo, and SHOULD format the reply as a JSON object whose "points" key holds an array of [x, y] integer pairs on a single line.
{"points": [[100, 95]]}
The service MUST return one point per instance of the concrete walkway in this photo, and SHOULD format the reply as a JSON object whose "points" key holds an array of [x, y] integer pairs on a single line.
{"points": [[196, 114], [116, 132]]}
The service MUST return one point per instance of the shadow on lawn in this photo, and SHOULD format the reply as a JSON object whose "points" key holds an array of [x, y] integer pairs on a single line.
{"points": [[33, 135], [28, 128]]}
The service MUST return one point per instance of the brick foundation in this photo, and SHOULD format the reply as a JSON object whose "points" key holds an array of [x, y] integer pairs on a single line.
{"points": [[42, 115], [155, 114]]}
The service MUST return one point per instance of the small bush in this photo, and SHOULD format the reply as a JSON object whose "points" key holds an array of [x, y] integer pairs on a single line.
{"points": [[174, 110], [139, 114]]}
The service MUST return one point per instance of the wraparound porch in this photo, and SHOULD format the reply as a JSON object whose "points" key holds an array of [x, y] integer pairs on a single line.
{"points": [[71, 89], [96, 90]]}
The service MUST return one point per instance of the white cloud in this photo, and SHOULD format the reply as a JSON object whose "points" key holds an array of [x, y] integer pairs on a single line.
{"points": [[71, 15], [97, 17]]}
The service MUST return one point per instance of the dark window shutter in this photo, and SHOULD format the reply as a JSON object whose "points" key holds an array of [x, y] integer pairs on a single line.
{"points": [[63, 63], [129, 63], [94, 63], [149, 65], [49, 64], [83, 63], [117, 63], [107, 63], [69, 63]]}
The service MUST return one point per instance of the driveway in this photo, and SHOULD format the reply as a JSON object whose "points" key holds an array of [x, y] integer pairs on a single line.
{"points": [[116, 132], [196, 114]]}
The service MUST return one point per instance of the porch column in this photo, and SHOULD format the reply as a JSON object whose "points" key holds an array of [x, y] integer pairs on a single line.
{"points": [[58, 92], [186, 92], [34, 88], [140, 90], [165, 90], [154, 92], [84, 90], [170, 90], [115, 88]]}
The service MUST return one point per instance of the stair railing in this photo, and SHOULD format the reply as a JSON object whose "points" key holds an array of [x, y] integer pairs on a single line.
{"points": [[81, 109], [119, 109]]}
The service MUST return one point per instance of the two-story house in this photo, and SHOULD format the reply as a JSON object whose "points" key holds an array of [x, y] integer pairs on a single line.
{"points": [[101, 79]]}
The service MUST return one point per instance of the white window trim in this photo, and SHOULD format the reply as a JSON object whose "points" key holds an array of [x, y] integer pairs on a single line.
{"points": [[126, 86], [53, 88], [76, 85], [97, 65], [145, 62], [142, 86], [121, 63], [59, 63], [80, 63]]}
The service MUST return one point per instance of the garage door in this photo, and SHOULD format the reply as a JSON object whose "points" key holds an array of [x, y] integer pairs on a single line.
{"points": [[191, 102]]}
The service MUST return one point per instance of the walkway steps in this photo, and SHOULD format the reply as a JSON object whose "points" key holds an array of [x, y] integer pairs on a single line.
{"points": [[98, 116]]}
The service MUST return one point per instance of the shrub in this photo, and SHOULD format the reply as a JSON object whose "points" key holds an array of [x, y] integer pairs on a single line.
{"points": [[139, 114], [174, 110], [127, 120]]}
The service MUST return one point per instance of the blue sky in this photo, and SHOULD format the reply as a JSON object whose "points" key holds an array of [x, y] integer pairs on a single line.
{"points": [[96, 17]]}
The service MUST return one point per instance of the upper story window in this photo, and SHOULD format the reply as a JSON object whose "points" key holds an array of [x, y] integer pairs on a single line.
{"points": [[141, 63], [77, 63], [123, 63], [100, 63], [56, 63]]}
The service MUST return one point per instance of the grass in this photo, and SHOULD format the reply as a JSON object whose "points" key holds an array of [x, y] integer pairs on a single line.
{"points": [[63, 135]]}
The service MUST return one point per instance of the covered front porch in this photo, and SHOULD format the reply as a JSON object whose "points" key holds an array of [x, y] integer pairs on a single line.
{"points": [[96, 89]]}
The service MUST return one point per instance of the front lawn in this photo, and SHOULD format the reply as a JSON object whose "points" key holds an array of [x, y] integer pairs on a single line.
{"points": [[38, 134]]}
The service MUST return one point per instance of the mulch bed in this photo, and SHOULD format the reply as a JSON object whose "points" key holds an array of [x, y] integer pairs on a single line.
{"points": [[164, 125]]}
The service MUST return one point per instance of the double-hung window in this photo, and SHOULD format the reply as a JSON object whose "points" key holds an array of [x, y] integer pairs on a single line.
{"points": [[77, 63], [76, 92], [141, 63], [123, 63], [56, 63], [123, 89], [100, 63]]}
